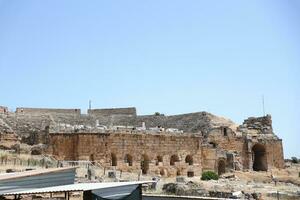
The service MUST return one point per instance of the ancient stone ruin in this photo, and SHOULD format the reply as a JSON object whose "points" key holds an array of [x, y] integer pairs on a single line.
{"points": [[119, 139]]}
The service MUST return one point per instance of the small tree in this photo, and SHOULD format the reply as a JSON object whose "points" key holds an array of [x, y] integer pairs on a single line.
{"points": [[157, 114], [209, 175]]}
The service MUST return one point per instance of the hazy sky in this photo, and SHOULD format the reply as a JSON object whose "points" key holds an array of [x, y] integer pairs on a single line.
{"points": [[167, 56]]}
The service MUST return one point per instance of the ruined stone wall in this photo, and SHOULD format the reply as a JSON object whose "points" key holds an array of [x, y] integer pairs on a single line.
{"points": [[43, 111], [230, 142], [263, 125], [113, 111], [274, 153], [209, 158], [8, 140], [157, 149], [3, 109], [242, 146], [28, 120]]}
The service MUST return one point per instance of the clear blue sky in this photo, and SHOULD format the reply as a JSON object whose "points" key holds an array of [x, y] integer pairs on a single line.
{"points": [[168, 56]]}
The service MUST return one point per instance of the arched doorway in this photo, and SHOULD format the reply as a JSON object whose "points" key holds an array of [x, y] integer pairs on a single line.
{"points": [[173, 159], [189, 159], [128, 159], [221, 167], [259, 158], [145, 163], [113, 159]]}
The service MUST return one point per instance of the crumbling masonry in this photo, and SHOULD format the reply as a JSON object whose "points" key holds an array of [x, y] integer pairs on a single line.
{"points": [[154, 144]]}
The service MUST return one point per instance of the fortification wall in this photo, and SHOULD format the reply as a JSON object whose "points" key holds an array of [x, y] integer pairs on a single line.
{"points": [[155, 149], [113, 111], [43, 111]]}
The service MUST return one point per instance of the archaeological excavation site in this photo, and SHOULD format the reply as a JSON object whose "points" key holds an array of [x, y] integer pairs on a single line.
{"points": [[117, 144]]}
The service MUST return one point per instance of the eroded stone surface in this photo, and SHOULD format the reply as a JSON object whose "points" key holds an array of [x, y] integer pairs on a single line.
{"points": [[184, 144]]}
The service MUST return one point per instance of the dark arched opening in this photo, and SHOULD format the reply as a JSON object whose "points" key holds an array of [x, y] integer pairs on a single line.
{"points": [[145, 164], [221, 167], [259, 158], [213, 144], [114, 161], [159, 159], [92, 158], [189, 159], [173, 159], [128, 159]]}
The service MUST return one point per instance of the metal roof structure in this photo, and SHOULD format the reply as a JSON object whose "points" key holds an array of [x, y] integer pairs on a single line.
{"points": [[7, 176], [27, 180], [79, 187]]}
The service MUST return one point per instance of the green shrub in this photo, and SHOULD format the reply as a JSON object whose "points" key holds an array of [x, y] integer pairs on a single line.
{"points": [[209, 175]]}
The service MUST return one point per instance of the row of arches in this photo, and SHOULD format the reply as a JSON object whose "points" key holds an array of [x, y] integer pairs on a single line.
{"points": [[145, 161]]}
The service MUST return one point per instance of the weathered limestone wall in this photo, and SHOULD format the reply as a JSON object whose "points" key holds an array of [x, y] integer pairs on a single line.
{"points": [[157, 149], [3, 109], [209, 158], [43, 111], [28, 120], [113, 111], [242, 145], [261, 124], [8, 140], [274, 153], [230, 142]]}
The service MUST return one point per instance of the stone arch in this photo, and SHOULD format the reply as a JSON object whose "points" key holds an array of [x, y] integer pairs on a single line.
{"points": [[162, 172], [174, 158], [159, 159], [92, 159], [114, 160], [221, 167], [128, 159], [189, 159], [145, 163], [259, 157]]}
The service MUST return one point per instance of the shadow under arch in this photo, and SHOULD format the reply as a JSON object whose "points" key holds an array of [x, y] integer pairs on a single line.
{"points": [[259, 157], [145, 163]]}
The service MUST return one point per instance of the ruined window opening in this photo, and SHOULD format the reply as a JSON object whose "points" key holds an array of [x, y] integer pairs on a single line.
{"points": [[113, 159], [259, 158], [128, 159], [174, 158], [145, 164], [190, 174], [189, 159], [225, 131], [214, 145], [159, 159], [221, 167], [178, 173]]}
